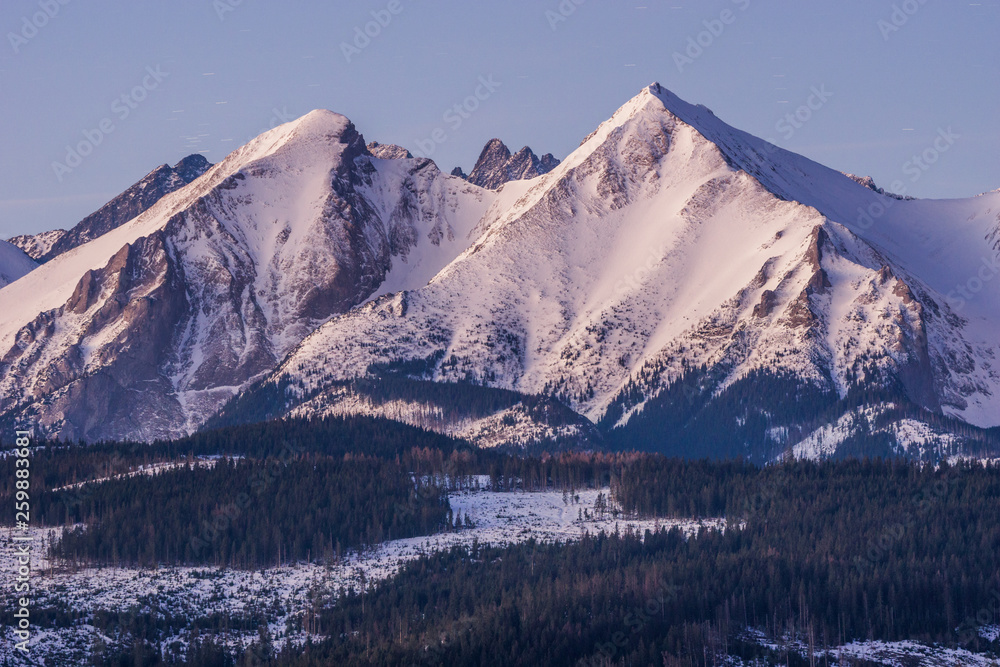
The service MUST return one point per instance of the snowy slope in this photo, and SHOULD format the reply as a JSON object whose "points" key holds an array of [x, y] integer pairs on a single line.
{"points": [[146, 329], [282, 595], [14, 263], [430, 219], [950, 246], [670, 241], [669, 253]]}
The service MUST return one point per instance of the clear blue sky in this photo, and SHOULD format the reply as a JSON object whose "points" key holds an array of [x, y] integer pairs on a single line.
{"points": [[224, 79]]}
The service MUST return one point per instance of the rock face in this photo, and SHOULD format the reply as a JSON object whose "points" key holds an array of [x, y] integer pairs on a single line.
{"points": [[388, 151], [497, 166], [657, 275], [674, 283], [135, 200], [869, 183], [38, 245], [150, 329]]}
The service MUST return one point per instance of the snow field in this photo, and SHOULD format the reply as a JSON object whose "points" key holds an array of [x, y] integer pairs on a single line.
{"points": [[285, 594]]}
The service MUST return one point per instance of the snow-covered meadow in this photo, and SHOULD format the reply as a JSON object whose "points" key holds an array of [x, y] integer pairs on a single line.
{"points": [[890, 654], [285, 595]]}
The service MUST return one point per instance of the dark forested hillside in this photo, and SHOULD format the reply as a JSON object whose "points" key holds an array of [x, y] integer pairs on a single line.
{"points": [[61, 463], [826, 553], [689, 419], [247, 513], [819, 553]]}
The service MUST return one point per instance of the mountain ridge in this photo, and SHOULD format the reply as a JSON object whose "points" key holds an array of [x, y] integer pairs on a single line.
{"points": [[665, 268], [497, 166], [817, 240], [232, 269], [136, 199]]}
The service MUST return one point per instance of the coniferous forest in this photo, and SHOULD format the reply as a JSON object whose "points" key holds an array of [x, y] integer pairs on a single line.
{"points": [[827, 552], [823, 553], [245, 513]]}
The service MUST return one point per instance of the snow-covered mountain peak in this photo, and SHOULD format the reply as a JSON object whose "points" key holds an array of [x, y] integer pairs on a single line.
{"points": [[642, 129], [666, 242], [318, 122], [495, 145], [668, 247], [302, 140], [294, 146], [907, 230], [192, 166], [623, 160], [221, 277]]}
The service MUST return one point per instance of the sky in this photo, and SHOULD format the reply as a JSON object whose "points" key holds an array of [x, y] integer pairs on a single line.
{"points": [[94, 95]]}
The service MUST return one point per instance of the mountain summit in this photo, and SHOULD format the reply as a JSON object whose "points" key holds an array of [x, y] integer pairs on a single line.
{"points": [[497, 166], [673, 266], [673, 284], [147, 329]]}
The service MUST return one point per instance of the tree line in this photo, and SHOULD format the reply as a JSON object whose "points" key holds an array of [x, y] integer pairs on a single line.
{"points": [[826, 553], [246, 513]]}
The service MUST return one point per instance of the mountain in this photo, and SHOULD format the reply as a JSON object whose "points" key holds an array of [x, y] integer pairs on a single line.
{"points": [[14, 263], [135, 200], [497, 166], [691, 288], [146, 330], [674, 284]]}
